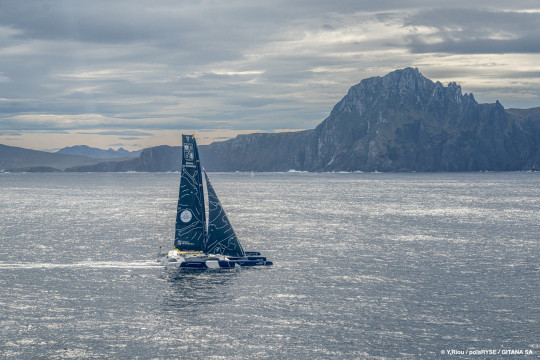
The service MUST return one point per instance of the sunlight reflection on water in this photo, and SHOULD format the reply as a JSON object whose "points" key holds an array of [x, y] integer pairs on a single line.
{"points": [[365, 265]]}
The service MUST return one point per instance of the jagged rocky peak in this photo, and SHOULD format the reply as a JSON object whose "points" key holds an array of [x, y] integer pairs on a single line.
{"points": [[402, 81], [406, 81], [405, 86]]}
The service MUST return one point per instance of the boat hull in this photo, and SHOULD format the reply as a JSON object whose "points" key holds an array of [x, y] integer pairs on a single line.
{"points": [[253, 262], [196, 260], [217, 264], [208, 264]]}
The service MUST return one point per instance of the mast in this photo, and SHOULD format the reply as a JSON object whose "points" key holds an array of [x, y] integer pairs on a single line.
{"points": [[201, 192], [190, 230]]}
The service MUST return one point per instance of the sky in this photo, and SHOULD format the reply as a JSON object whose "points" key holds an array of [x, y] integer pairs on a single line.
{"points": [[134, 73]]}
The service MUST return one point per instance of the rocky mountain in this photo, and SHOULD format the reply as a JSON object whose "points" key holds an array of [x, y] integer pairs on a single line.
{"points": [[398, 122], [84, 150]]}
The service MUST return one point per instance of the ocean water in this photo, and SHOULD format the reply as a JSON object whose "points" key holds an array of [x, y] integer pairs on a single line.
{"points": [[366, 265]]}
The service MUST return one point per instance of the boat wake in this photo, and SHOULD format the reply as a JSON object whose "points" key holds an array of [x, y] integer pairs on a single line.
{"points": [[83, 264]]}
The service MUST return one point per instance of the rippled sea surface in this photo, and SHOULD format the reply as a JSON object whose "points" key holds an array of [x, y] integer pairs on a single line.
{"points": [[378, 266]]}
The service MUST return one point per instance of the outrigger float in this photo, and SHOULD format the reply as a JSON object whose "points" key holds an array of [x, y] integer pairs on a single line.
{"points": [[198, 243]]}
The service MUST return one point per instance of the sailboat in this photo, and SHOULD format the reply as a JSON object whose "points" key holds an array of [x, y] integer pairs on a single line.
{"points": [[202, 242]]}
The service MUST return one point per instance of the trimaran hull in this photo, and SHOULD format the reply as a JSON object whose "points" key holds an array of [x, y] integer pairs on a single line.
{"points": [[205, 261]]}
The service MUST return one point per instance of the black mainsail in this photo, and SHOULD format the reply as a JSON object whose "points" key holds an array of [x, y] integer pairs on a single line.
{"points": [[190, 230], [221, 236]]}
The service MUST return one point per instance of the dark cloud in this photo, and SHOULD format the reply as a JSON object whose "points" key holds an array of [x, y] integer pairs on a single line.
{"points": [[166, 64], [470, 31], [525, 45], [94, 21]]}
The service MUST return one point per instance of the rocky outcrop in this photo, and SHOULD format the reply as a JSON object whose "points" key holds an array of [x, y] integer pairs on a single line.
{"points": [[399, 122]]}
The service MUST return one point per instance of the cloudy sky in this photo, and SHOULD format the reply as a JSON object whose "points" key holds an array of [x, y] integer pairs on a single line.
{"points": [[137, 73]]}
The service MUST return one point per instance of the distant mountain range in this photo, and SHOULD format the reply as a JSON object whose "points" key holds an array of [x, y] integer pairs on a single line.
{"points": [[399, 122], [83, 150], [16, 159]]}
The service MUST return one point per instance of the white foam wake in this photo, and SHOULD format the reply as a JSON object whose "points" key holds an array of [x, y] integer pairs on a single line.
{"points": [[83, 264]]}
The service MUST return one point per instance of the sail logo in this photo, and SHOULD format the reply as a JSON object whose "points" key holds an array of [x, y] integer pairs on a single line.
{"points": [[186, 216], [189, 154]]}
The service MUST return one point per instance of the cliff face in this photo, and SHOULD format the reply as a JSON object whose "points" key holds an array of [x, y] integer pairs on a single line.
{"points": [[258, 152], [529, 121], [401, 121], [398, 122]]}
